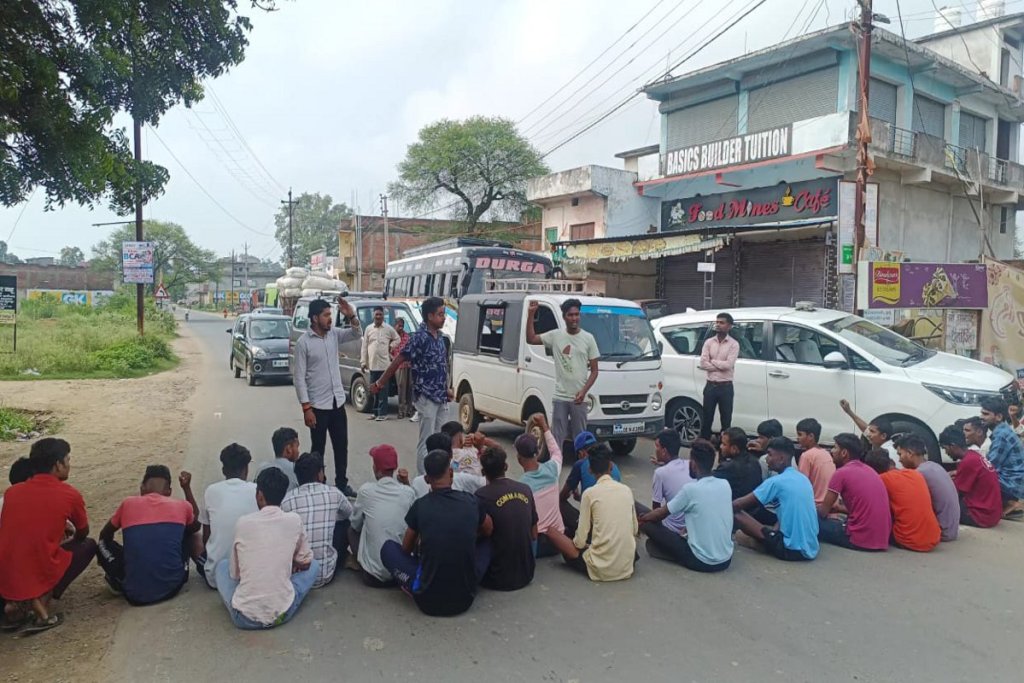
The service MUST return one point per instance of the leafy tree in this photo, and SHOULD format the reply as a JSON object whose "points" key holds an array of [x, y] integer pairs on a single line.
{"points": [[176, 259], [6, 256], [67, 67], [315, 222], [71, 256], [482, 163]]}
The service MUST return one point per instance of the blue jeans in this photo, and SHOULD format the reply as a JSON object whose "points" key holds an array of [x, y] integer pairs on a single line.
{"points": [[302, 582]]}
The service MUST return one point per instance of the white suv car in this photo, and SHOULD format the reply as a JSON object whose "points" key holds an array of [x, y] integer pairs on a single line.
{"points": [[799, 362]]}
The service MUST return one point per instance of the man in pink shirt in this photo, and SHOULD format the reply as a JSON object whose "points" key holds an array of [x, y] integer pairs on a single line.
{"points": [[865, 501], [542, 478], [271, 568], [718, 358], [815, 462]]}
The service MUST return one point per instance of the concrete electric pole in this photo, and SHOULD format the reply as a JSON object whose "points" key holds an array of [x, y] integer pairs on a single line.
{"points": [[384, 212], [290, 204]]}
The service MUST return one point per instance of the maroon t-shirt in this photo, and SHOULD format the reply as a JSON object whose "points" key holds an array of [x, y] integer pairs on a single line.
{"points": [[978, 482]]}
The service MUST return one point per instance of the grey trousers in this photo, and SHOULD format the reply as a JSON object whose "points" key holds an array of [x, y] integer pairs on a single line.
{"points": [[432, 416], [568, 420]]}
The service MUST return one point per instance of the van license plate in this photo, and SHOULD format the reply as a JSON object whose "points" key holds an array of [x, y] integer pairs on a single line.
{"points": [[627, 427], [280, 363]]}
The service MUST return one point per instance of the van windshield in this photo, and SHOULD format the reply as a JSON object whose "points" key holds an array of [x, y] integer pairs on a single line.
{"points": [[620, 331], [882, 343]]}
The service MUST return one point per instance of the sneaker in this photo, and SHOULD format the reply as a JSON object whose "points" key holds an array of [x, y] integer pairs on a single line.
{"points": [[380, 418], [415, 417], [347, 490], [113, 587], [371, 416]]}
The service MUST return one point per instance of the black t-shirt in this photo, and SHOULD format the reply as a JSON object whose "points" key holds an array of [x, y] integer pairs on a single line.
{"points": [[447, 523], [511, 507], [742, 472]]}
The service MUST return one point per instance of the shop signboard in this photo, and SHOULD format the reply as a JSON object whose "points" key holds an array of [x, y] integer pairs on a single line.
{"points": [[927, 285], [774, 143], [137, 262], [776, 204], [9, 312]]}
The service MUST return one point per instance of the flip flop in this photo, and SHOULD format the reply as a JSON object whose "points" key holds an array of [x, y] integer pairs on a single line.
{"points": [[39, 626], [9, 626], [1014, 516]]}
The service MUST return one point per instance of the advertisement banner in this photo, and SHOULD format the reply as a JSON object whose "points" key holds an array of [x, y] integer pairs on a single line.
{"points": [[927, 285], [137, 262], [1001, 339], [71, 297], [778, 203], [8, 299]]}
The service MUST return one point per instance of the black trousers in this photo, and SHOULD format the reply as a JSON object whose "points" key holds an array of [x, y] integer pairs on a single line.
{"points": [[335, 423], [720, 397], [110, 557]]}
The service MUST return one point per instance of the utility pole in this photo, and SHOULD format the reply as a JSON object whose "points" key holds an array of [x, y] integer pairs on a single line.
{"points": [[245, 270], [231, 284], [384, 212], [290, 204], [140, 289], [863, 136], [359, 252]]}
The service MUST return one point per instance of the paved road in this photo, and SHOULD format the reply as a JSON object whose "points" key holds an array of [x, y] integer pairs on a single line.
{"points": [[952, 615]]}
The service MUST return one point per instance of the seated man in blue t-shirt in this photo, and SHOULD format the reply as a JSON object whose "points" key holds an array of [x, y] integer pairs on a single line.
{"points": [[795, 536], [580, 479]]}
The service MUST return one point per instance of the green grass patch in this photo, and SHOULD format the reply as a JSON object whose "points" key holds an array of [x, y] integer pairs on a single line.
{"points": [[24, 424], [57, 341]]}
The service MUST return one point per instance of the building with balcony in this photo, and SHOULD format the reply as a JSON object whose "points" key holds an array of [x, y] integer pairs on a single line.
{"points": [[757, 154]]}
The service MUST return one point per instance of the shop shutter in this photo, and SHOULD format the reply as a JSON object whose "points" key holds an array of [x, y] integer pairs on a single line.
{"points": [[683, 286], [782, 273], [972, 131], [929, 117], [794, 99], [882, 101], [714, 120]]}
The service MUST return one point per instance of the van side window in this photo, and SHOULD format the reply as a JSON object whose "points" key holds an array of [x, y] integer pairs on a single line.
{"points": [[545, 320], [492, 329], [300, 319]]}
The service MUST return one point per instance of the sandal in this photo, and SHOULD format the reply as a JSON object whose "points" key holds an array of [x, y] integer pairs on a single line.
{"points": [[11, 625], [38, 626], [1014, 515]]}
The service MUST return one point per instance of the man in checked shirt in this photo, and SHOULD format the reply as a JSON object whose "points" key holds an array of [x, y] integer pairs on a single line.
{"points": [[325, 513]]}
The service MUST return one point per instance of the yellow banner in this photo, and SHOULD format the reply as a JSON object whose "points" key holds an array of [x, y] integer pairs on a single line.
{"points": [[1001, 341], [643, 249], [885, 282]]}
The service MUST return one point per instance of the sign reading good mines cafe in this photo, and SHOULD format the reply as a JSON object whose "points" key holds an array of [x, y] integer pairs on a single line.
{"points": [[735, 151]]}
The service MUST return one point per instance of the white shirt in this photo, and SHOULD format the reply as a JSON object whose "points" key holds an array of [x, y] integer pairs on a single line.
{"points": [[462, 481], [379, 515], [223, 504], [286, 466], [375, 353]]}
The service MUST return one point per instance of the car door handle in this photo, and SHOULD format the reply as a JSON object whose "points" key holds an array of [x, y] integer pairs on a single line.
{"points": [[779, 374], [528, 359]]}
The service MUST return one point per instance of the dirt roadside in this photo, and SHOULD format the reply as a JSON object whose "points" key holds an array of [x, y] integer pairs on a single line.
{"points": [[116, 428]]}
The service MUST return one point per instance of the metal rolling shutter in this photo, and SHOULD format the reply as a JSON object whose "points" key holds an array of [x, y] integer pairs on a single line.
{"points": [[972, 131], [683, 286], [794, 99], [705, 122], [882, 101], [782, 273], [929, 117]]}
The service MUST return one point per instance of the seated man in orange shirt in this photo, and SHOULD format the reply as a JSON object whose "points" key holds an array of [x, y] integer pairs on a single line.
{"points": [[914, 525]]}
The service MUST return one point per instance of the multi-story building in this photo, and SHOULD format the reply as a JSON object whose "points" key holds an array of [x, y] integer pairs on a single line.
{"points": [[757, 154]]}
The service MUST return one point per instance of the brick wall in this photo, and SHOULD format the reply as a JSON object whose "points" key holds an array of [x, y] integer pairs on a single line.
{"points": [[57, 277]]}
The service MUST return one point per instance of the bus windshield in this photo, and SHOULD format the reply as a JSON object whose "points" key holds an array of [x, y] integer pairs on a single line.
{"points": [[621, 332]]}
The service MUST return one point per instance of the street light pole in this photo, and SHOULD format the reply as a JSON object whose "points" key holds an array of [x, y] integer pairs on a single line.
{"points": [[290, 204], [140, 289]]}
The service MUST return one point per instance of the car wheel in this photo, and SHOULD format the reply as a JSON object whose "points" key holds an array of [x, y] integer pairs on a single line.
{"points": [[686, 417], [238, 370], [468, 417], [622, 446], [250, 378], [909, 427], [360, 395]]}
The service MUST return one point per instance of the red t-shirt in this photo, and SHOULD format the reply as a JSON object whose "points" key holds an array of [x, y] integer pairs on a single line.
{"points": [[35, 514], [978, 482], [914, 524]]}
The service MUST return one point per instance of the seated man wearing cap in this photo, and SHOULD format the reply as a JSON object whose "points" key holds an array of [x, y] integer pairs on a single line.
{"points": [[461, 481], [542, 478], [604, 546], [379, 515], [580, 479], [445, 526], [159, 537]]}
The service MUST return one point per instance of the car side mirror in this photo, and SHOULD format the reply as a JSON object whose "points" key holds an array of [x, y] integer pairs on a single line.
{"points": [[661, 347], [835, 361], [229, 330]]}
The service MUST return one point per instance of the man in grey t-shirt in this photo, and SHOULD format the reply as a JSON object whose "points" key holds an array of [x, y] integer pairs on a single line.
{"points": [[575, 354], [945, 500]]}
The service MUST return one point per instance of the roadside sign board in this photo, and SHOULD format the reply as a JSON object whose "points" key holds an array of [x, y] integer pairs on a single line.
{"points": [[161, 292], [9, 311], [137, 262]]}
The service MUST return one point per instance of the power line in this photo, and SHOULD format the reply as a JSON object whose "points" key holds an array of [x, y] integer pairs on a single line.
{"points": [[20, 214], [231, 124], [203, 189], [235, 172]]}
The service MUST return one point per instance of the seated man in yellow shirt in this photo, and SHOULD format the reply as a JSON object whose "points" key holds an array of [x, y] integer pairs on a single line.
{"points": [[608, 520]]}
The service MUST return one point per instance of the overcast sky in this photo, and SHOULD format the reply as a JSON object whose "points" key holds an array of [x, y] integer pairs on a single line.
{"points": [[331, 92]]}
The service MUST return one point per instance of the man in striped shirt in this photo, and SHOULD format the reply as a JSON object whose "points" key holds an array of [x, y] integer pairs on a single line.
{"points": [[542, 478], [325, 515]]}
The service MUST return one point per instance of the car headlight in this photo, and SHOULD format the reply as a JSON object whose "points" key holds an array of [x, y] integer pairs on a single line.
{"points": [[257, 352], [656, 401], [591, 403], [960, 396]]}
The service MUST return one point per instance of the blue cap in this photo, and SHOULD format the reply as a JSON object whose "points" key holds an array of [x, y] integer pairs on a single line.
{"points": [[583, 440]]}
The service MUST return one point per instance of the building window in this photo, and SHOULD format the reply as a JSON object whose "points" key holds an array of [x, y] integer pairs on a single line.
{"points": [[581, 231], [1004, 219], [575, 201], [551, 235]]}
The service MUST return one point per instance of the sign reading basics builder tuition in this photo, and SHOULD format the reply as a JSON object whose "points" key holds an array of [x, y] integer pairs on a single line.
{"points": [[137, 262], [735, 151], [775, 204]]}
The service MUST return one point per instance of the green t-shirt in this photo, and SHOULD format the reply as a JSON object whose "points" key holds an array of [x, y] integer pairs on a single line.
{"points": [[572, 354]]}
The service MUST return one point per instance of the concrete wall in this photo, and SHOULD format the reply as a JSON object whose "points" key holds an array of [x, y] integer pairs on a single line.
{"points": [[562, 215], [626, 280], [58, 277]]}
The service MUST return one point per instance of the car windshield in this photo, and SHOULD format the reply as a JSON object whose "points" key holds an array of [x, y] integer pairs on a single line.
{"points": [[882, 343], [621, 331], [268, 329]]}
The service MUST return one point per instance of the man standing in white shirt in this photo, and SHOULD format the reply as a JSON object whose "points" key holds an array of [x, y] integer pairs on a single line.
{"points": [[316, 374], [375, 357], [718, 359], [223, 504]]}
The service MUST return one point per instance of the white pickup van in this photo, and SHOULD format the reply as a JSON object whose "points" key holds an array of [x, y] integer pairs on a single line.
{"points": [[497, 375]]}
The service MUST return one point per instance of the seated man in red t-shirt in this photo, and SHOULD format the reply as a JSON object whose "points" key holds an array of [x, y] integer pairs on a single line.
{"points": [[976, 481], [914, 524], [39, 561], [159, 535]]}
